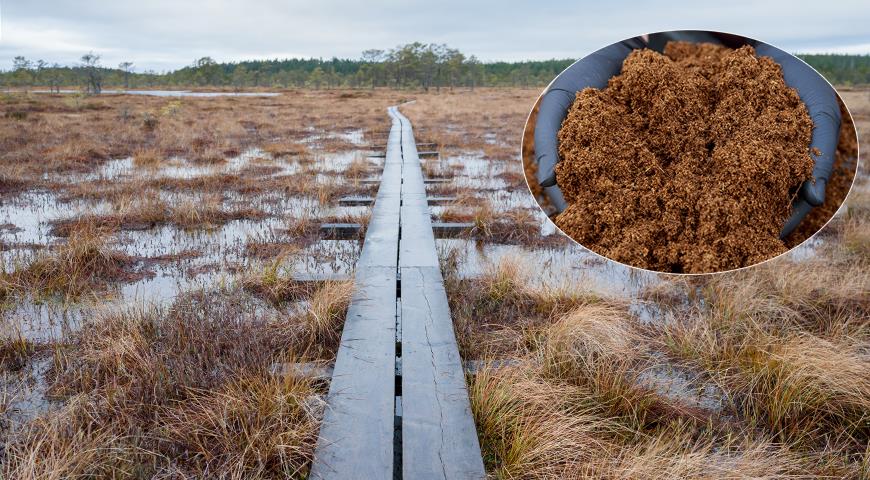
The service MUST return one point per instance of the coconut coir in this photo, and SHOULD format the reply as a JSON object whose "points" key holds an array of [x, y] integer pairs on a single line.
{"points": [[685, 162]]}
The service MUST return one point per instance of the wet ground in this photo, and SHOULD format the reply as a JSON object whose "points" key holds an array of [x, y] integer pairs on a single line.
{"points": [[175, 259], [179, 259]]}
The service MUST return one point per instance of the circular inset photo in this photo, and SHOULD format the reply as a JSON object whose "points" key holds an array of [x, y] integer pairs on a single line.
{"points": [[690, 151]]}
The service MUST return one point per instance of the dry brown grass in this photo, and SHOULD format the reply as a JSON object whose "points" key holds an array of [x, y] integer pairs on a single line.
{"points": [[148, 210], [524, 430], [359, 168], [855, 238], [500, 112], [784, 344], [786, 341], [252, 427], [184, 391], [285, 149], [818, 295], [315, 331], [800, 387], [304, 224], [62, 136], [532, 428], [590, 338], [574, 407], [324, 317], [147, 158], [498, 313], [83, 264], [71, 443], [15, 350]]}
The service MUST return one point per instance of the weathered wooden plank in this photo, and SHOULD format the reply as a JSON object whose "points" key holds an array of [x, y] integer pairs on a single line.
{"points": [[433, 181], [383, 147], [382, 233], [357, 432], [451, 229], [345, 231], [356, 435], [398, 288], [352, 201], [440, 200], [417, 247], [439, 439], [319, 371], [355, 201], [339, 231]]}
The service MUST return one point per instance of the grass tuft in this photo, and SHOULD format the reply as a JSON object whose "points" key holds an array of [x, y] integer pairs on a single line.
{"points": [[252, 427], [85, 262]]}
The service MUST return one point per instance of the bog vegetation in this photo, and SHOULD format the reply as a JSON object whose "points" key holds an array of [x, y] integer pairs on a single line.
{"points": [[759, 374]]}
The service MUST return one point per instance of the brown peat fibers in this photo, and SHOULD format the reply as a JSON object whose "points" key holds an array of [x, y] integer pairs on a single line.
{"points": [[685, 162]]}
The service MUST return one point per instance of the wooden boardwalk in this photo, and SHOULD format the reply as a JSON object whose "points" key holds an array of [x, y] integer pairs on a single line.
{"points": [[397, 404]]}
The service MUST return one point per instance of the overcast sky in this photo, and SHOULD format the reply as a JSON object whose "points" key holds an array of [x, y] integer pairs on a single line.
{"points": [[167, 34]]}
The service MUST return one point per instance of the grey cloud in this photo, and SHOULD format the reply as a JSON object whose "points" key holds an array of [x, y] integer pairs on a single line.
{"points": [[167, 34]]}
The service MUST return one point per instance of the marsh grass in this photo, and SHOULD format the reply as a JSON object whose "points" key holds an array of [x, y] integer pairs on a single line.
{"points": [[15, 351], [208, 212], [786, 342], [534, 428], [818, 296], [304, 224], [84, 263], [800, 387], [270, 248], [524, 431], [274, 281], [285, 149], [512, 227], [316, 328], [183, 390], [500, 310], [855, 238], [358, 168], [251, 427], [72, 442], [12, 183], [147, 158], [149, 210], [325, 313], [362, 219], [599, 349]]}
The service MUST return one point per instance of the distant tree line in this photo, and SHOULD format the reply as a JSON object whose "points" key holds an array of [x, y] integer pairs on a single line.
{"points": [[841, 69], [415, 65]]}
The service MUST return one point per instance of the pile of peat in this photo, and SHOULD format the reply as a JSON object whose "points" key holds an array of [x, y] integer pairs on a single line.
{"points": [[685, 162]]}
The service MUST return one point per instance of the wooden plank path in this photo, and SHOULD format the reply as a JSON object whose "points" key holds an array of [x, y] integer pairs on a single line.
{"points": [[397, 405]]}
